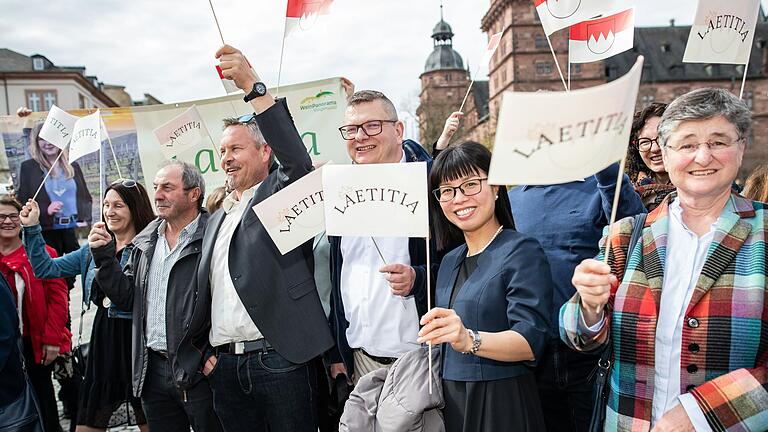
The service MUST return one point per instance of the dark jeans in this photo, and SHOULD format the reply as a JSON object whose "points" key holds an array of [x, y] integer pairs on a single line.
{"points": [[168, 409], [565, 379], [42, 382], [262, 391]]}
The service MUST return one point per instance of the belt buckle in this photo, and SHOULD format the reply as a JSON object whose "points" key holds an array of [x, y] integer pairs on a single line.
{"points": [[64, 220], [239, 348]]}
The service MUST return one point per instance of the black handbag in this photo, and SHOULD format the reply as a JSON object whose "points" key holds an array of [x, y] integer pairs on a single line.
{"points": [[603, 371], [80, 352], [23, 414]]}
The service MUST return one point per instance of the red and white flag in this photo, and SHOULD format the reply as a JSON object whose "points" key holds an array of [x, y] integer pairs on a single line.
{"points": [[229, 85], [302, 14], [493, 43], [602, 37], [559, 14]]}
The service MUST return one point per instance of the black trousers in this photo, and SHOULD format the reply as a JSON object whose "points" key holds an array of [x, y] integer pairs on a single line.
{"points": [[168, 409], [565, 381], [42, 383]]}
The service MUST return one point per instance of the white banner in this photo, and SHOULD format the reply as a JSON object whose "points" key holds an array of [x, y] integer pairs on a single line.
{"points": [[86, 136], [382, 200], [722, 32], [559, 137], [58, 127], [295, 214], [559, 14]]}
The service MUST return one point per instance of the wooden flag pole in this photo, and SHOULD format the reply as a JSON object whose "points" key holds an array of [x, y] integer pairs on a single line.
{"points": [[569, 73], [616, 194], [429, 306], [47, 175], [217, 22], [744, 80], [461, 108], [385, 263], [280, 64], [557, 63]]}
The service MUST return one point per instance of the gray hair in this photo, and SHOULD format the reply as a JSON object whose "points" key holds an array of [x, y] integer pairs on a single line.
{"points": [[191, 177], [253, 128], [702, 104], [372, 95]]}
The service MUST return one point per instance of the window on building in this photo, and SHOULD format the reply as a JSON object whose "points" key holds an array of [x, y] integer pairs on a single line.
{"points": [[504, 76], [575, 68], [539, 41], [447, 77], [647, 100], [543, 68], [49, 99], [81, 102], [749, 98], [38, 64]]}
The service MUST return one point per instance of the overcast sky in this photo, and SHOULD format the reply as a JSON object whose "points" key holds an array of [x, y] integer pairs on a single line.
{"points": [[166, 48]]}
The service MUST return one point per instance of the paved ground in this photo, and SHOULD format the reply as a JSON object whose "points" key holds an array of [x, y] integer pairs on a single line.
{"points": [[74, 310]]}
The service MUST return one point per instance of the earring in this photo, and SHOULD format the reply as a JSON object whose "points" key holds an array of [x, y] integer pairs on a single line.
{"points": [[497, 197]]}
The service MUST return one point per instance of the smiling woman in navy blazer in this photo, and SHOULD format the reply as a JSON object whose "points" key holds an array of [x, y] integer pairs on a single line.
{"points": [[493, 297]]}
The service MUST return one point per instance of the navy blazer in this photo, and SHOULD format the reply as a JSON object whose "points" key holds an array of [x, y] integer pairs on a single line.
{"points": [[511, 289]]}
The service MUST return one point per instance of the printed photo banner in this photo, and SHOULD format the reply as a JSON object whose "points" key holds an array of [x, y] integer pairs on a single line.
{"points": [[722, 32], [317, 108], [295, 214], [379, 200], [559, 137]]}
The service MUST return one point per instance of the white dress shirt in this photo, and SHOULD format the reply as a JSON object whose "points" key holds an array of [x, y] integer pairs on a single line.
{"points": [[687, 253], [230, 321], [381, 323]]}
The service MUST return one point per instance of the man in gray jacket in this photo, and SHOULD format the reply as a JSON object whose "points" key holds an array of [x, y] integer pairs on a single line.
{"points": [[170, 317]]}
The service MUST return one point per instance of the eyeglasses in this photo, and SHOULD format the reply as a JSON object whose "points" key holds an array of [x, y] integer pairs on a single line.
{"points": [[14, 217], [371, 128], [645, 144], [468, 188], [125, 182], [713, 146], [246, 118]]}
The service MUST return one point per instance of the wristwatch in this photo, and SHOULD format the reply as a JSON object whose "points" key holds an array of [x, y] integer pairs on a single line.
{"points": [[259, 89], [476, 341]]}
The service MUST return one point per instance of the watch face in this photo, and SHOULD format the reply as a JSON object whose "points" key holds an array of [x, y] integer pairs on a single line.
{"points": [[260, 88]]}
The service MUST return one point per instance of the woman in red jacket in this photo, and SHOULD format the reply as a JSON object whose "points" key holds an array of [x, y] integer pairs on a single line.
{"points": [[42, 306]]}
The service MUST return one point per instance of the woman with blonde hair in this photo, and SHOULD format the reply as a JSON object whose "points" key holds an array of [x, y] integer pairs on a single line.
{"points": [[64, 198]]}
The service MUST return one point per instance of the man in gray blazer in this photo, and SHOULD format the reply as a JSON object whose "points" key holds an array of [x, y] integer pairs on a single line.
{"points": [[267, 322]]}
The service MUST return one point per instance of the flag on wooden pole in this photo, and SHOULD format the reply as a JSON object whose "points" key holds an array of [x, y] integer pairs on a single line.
{"points": [[559, 14], [603, 37], [86, 136], [58, 127], [722, 32]]}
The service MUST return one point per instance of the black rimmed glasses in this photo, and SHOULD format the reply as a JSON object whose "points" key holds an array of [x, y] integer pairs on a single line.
{"points": [[713, 146], [645, 144], [14, 217], [371, 128], [468, 188]]}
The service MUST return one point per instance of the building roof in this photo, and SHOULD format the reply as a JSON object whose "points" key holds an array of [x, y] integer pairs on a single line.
{"points": [[443, 57], [442, 31], [663, 48]]}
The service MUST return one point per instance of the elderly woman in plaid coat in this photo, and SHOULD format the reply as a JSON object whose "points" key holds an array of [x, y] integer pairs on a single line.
{"points": [[686, 313]]}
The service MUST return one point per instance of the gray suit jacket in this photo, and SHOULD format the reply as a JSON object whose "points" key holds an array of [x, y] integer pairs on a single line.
{"points": [[278, 291]]}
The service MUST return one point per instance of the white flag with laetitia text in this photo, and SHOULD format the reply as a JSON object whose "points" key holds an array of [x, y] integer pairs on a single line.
{"points": [[58, 127], [559, 137], [603, 37], [183, 132], [382, 200], [86, 136], [722, 32], [559, 14], [295, 213]]}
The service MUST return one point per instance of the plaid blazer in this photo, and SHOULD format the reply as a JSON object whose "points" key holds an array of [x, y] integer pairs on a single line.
{"points": [[725, 334]]}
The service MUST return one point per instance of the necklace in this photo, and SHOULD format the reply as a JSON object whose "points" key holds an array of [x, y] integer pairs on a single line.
{"points": [[498, 231]]}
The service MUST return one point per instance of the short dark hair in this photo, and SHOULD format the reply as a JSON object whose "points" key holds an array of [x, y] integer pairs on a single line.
{"points": [[465, 159], [635, 163], [137, 200], [363, 96]]}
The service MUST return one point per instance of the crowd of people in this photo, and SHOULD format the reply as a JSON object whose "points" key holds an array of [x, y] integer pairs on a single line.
{"points": [[202, 323]]}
